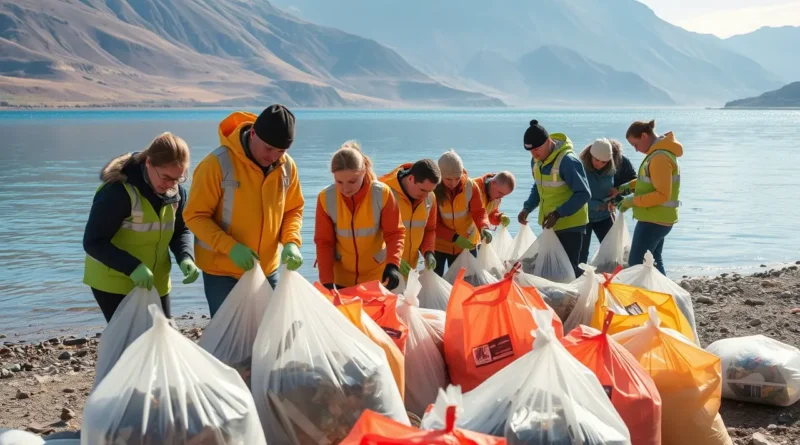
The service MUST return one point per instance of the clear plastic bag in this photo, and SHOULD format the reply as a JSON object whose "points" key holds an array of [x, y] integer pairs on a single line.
{"points": [[522, 242], [167, 390], [560, 297], [473, 275], [588, 291], [484, 409], [435, 292], [131, 319], [19, 437], [614, 249], [425, 367], [314, 372], [503, 243], [648, 277], [759, 369], [231, 333], [547, 258], [490, 262]]}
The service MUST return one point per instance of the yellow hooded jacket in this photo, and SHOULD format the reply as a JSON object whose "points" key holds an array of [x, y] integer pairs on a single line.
{"points": [[662, 170], [231, 201]]}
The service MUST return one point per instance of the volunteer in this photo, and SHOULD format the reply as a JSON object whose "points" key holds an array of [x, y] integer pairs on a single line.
{"points": [[605, 165], [560, 190], [358, 232], [136, 219], [462, 219], [245, 200], [494, 187], [412, 186], [656, 192]]}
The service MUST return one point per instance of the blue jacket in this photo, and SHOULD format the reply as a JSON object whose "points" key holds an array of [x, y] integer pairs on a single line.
{"points": [[600, 185], [573, 173]]}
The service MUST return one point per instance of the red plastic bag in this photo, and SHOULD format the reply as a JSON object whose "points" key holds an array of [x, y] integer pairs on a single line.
{"points": [[375, 429], [378, 303], [631, 389], [488, 327]]}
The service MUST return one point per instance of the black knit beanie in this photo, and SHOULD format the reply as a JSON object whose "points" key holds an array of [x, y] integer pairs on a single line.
{"points": [[275, 126], [535, 136]]}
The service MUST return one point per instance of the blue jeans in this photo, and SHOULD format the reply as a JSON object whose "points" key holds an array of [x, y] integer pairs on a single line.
{"points": [[218, 287], [648, 236]]}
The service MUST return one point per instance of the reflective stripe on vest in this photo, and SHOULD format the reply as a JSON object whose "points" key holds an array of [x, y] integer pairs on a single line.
{"points": [[468, 196], [554, 173], [415, 224], [331, 198], [645, 178]]}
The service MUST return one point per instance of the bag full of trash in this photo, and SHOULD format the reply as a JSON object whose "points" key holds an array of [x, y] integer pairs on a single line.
{"points": [[18, 437], [484, 409], [435, 292], [131, 319], [614, 249], [547, 258], [588, 293], [559, 296], [503, 243], [314, 372], [758, 369], [232, 331], [489, 261], [522, 242], [167, 390], [474, 274]]}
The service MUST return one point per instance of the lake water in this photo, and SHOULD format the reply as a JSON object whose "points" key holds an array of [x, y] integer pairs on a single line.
{"points": [[739, 174]]}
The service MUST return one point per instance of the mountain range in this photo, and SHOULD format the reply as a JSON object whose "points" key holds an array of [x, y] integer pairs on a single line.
{"points": [[785, 97]]}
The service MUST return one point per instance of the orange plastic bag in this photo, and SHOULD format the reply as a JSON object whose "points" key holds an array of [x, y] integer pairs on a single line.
{"points": [[379, 304], [630, 388], [488, 327], [375, 429], [689, 380]]}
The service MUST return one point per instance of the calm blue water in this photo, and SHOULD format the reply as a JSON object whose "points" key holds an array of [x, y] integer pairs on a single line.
{"points": [[739, 176]]}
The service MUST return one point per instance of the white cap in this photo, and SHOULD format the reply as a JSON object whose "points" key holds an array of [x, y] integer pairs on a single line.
{"points": [[601, 150]]}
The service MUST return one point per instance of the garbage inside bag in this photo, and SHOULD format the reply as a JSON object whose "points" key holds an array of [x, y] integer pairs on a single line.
{"points": [[489, 261], [473, 275], [614, 249], [484, 409], [435, 292], [522, 242], [186, 396], [18, 437], [547, 258], [131, 319], [232, 331], [588, 286], [629, 387], [489, 327], [688, 379], [436, 320], [314, 372], [503, 243], [425, 367], [759, 369], [648, 277], [560, 297]]}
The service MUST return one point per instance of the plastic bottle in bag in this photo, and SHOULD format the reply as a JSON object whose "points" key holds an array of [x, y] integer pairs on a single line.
{"points": [[614, 249], [489, 261], [131, 319], [166, 390], [503, 243], [474, 274], [314, 372], [560, 297], [648, 277], [547, 258], [435, 292], [759, 369], [232, 331], [522, 242]]}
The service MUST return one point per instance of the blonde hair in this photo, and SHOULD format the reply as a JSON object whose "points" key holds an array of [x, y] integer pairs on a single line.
{"points": [[166, 149], [506, 178], [350, 157]]}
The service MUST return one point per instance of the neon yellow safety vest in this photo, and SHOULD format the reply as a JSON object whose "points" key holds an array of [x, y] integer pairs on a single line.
{"points": [[553, 191], [145, 235], [666, 213]]}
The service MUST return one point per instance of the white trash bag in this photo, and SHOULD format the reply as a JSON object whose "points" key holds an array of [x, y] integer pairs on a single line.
{"points": [[315, 372], [547, 258], [473, 273], [522, 242], [19, 437], [560, 297], [167, 390], [503, 243], [131, 319], [614, 249], [759, 369], [425, 366], [435, 292], [648, 277], [232, 331], [589, 286], [489, 261]]}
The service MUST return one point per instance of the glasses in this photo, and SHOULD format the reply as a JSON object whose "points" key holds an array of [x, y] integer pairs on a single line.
{"points": [[166, 178]]}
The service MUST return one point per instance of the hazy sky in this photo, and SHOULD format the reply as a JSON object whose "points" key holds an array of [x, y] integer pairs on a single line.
{"points": [[727, 17]]}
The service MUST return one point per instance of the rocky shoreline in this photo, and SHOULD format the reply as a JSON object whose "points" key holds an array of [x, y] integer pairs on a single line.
{"points": [[44, 384]]}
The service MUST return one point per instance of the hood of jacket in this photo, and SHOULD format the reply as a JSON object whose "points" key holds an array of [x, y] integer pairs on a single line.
{"points": [[667, 142]]}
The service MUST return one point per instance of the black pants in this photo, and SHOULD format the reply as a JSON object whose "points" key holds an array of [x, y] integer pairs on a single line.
{"points": [[109, 303], [600, 228], [572, 242], [442, 257]]}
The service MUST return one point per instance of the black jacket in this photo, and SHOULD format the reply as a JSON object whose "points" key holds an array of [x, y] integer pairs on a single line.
{"points": [[112, 205], [625, 172]]}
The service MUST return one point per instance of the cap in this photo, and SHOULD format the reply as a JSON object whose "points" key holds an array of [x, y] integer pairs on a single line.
{"points": [[535, 136], [275, 126]]}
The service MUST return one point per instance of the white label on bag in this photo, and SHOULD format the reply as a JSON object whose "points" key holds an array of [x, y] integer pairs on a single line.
{"points": [[494, 351]]}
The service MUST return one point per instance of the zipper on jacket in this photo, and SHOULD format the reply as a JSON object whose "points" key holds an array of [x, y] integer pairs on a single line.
{"points": [[453, 213], [353, 232]]}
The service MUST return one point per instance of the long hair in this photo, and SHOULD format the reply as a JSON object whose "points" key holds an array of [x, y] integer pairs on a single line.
{"points": [[166, 149], [611, 166], [350, 157]]}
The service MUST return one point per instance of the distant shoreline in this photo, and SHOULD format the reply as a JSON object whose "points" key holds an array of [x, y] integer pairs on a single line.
{"points": [[756, 108]]}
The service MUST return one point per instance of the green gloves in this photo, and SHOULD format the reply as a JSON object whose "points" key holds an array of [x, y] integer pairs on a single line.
{"points": [[504, 220], [190, 271], [626, 204], [242, 256], [405, 268], [291, 256], [430, 261], [464, 243], [142, 277], [625, 189], [487, 235]]}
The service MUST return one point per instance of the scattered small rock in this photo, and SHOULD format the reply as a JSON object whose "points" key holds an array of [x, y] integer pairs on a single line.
{"points": [[22, 395], [97, 335], [763, 265], [796, 310], [68, 390], [750, 302], [6, 374], [76, 368], [67, 414], [772, 427], [28, 367], [786, 294], [705, 300], [755, 322], [204, 316], [75, 342], [760, 439], [776, 273], [785, 419], [40, 429], [723, 275], [790, 268], [5, 351], [797, 263], [2, 336], [82, 353], [65, 356], [16, 367], [724, 330], [54, 341]]}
